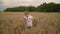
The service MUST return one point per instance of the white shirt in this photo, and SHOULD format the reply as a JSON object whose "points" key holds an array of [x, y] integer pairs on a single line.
{"points": [[28, 20]]}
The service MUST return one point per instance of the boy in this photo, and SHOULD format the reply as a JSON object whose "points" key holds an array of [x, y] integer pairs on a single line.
{"points": [[28, 20]]}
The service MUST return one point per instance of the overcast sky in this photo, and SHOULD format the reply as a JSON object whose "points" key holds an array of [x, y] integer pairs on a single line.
{"points": [[13, 3]]}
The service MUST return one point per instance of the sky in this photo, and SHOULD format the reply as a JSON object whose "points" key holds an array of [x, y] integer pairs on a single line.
{"points": [[13, 3]]}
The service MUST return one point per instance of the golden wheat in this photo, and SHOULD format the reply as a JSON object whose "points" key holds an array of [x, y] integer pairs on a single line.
{"points": [[45, 23]]}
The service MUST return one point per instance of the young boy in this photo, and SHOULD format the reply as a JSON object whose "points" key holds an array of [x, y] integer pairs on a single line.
{"points": [[28, 20]]}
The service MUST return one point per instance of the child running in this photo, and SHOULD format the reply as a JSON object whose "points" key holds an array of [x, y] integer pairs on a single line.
{"points": [[28, 19]]}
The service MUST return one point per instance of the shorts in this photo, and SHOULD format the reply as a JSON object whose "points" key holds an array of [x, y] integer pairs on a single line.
{"points": [[29, 24]]}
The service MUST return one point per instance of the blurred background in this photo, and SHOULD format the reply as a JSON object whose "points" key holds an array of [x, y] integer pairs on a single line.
{"points": [[4, 4]]}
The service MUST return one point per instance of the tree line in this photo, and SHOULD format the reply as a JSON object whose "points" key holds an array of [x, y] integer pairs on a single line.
{"points": [[45, 7]]}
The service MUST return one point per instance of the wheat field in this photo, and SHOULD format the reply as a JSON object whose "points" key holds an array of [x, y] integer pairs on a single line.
{"points": [[45, 23]]}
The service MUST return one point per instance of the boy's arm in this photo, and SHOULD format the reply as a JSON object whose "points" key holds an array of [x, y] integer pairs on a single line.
{"points": [[24, 19], [32, 18]]}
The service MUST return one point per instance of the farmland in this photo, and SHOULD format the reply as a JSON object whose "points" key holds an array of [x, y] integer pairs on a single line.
{"points": [[45, 23]]}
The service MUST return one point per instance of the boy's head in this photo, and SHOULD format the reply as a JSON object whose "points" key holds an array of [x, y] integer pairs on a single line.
{"points": [[26, 13]]}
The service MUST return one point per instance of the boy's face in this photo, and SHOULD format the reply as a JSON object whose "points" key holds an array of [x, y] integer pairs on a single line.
{"points": [[26, 14]]}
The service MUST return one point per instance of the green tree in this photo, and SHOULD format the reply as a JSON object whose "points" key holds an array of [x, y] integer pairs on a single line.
{"points": [[49, 7], [45, 7]]}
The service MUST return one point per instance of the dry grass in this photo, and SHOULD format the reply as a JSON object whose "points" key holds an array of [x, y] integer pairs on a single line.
{"points": [[45, 23]]}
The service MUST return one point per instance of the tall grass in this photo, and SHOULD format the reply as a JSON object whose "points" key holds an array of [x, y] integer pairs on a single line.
{"points": [[44, 23]]}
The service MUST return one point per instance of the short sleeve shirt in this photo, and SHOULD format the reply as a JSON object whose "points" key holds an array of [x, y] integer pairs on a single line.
{"points": [[28, 20]]}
